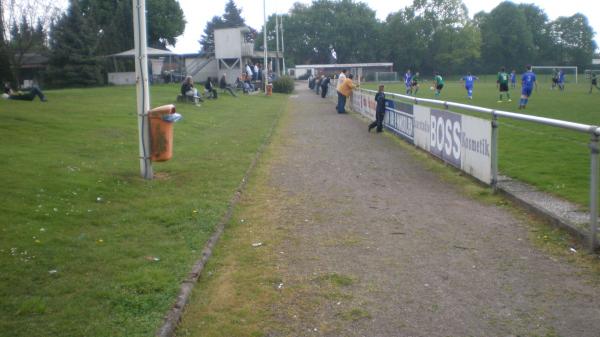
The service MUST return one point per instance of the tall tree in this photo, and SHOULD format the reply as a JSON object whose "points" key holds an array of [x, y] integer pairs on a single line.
{"points": [[350, 27], [506, 38], [231, 18], [24, 26], [73, 61], [573, 40], [537, 22], [5, 73], [113, 20], [432, 35]]}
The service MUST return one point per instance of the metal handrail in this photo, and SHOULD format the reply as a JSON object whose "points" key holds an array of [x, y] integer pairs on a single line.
{"points": [[592, 130], [584, 128]]}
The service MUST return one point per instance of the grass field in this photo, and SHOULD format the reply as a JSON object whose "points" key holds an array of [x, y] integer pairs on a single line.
{"points": [[555, 160], [87, 247]]}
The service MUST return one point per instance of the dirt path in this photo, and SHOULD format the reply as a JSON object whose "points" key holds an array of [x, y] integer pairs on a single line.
{"points": [[380, 246]]}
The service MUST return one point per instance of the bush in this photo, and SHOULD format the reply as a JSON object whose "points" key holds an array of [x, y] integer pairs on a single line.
{"points": [[284, 85]]}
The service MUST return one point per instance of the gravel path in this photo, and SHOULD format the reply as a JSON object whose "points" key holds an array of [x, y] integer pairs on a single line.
{"points": [[379, 246]]}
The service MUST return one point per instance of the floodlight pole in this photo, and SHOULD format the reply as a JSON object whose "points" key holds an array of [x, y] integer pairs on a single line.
{"points": [[143, 92], [277, 43], [282, 45], [266, 66]]}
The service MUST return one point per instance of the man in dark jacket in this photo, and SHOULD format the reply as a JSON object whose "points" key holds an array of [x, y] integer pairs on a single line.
{"points": [[379, 110], [325, 86]]}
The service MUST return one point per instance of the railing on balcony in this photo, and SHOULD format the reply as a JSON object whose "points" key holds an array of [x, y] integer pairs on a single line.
{"points": [[247, 49]]}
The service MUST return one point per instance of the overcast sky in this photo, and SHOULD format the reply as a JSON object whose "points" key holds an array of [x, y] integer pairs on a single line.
{"points": [[198, 12]]}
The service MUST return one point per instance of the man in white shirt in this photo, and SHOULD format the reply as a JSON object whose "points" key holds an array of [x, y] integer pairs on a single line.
{"points": [[341, 78]]}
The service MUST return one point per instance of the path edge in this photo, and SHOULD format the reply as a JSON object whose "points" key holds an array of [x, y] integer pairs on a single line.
{"points": [[174, 315]]}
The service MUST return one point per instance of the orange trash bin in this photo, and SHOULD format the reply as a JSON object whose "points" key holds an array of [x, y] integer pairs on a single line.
{"points": [[161, 133], [269, 89]]}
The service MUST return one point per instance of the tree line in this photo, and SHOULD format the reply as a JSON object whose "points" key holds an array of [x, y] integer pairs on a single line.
{"points": [[77, 41], [432, 35]]}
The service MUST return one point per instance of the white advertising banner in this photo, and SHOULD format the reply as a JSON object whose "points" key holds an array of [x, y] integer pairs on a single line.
{"points": [[421, 123], [476, 142], [459, 140], [368, 105]]}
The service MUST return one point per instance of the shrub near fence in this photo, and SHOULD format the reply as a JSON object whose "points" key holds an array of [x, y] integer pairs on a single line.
{"points": [[284, 85]]}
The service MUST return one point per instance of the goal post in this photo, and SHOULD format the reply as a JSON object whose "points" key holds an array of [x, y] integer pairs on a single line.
{"points": [[548, 70]]}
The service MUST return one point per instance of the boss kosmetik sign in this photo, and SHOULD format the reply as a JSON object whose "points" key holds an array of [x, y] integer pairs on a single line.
{"points": [[462, 141]]}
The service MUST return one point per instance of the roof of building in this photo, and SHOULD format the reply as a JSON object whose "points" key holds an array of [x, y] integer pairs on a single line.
{"points": [[345, 65], [34, 60], [149, 51]]}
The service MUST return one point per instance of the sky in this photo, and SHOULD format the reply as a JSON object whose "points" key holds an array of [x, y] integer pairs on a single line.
{"points": [[198, 12]]}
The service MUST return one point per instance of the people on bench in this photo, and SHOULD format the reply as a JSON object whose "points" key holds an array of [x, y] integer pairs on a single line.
{"points": [[188, 90]]}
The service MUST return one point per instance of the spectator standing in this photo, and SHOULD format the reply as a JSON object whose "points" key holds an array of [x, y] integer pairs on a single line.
{"points": [[379, 110], [344, 91], [249, 71], [325, 86]]}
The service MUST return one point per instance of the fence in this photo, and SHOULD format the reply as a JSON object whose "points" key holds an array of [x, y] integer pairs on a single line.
{"points": [[468, 143]]}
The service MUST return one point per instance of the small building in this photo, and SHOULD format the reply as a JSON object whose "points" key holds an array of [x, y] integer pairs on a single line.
{"points": [[363, 70], [233, 51]]}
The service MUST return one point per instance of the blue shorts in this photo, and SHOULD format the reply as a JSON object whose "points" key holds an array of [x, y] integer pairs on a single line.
{"points": [[468, 88], [526, 91]]}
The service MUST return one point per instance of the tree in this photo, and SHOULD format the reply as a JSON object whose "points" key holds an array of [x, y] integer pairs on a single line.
{"points": [[326, 23], [573, 40], [73, 41], [506, 38], [432, 35], [5, 73], [113, 21], [537, 22], [231, 18], [23, 30]]}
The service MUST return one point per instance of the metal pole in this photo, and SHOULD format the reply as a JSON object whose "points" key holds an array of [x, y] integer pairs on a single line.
{"points": [[277, 43], [143, 92], [282, 46], [593, 191], [266, 66], [494, 151]]}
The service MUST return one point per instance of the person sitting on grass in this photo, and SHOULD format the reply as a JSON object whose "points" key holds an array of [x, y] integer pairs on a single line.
{"points": [[248, 83], [28, 94], [188, 90], [224, 86], [210, 89]]}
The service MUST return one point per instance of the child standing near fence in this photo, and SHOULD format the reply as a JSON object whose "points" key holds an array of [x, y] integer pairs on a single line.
{"points": [[379, 110]]}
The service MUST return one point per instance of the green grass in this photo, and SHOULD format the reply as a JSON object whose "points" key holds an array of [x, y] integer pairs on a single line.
{"points": [[87, 247], [554, 160]]}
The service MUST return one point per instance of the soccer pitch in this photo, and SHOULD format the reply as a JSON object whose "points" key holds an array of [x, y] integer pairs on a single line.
{"points": [[554, 160]]}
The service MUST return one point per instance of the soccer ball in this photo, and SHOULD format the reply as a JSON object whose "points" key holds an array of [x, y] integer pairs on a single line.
{"points": [[431, 88]]}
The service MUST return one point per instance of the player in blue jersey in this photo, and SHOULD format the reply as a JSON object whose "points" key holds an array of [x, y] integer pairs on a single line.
{"points": [[561, 80], [513, 79], [469, 82], [528, 83], [408, 81]]}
